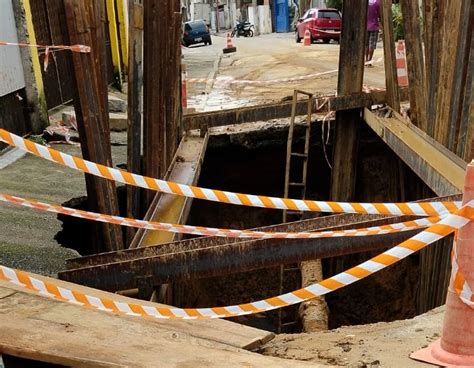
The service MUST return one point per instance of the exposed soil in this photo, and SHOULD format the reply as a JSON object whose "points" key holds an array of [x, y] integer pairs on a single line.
{"points": [[373, 345]]}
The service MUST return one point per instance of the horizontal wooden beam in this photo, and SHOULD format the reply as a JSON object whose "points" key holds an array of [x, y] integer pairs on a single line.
{"points": [[438, 167], [283, 110]]}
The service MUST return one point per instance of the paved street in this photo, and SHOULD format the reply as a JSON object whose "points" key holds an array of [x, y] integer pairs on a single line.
{"points": [[266, 57]]}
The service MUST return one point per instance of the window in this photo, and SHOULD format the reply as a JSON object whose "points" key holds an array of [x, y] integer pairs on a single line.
{"points": [[325, 14]]}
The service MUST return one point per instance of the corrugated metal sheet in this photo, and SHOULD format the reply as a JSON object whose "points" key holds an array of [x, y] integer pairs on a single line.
{"points": [[11, 69]]}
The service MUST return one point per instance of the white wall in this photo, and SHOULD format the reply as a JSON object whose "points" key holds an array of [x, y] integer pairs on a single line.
{"points": [[11, 69], [264, 19], [253, 18]]}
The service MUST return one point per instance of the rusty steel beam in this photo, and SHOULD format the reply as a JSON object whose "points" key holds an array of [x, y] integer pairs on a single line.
{"points": [[344, 221], [224, 260]]}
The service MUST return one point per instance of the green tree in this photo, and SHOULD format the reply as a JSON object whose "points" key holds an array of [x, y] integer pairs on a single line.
{"points": [[334, 4]]}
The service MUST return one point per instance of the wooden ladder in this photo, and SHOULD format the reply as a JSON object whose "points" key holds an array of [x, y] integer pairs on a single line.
{"points": [[299, 183]]}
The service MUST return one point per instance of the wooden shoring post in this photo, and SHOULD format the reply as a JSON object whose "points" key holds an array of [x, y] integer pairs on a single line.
{"points": [[461, 95], [86, 27], [434, 10], [391, 84], [465, 144], [161, 83], [415, 62], [453, 37], [134, 113], [351, 75]]}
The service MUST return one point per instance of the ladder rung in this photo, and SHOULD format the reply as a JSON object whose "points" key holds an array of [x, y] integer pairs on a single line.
{"points": [[297, 184], [299, 154]]}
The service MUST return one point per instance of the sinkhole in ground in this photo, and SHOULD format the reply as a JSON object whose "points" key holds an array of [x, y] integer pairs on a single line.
{"points": [[254, 162]]}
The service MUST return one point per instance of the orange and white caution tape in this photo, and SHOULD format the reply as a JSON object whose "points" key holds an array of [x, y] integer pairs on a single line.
{"points": [[210, 231], [458, 281], [433, 233], [397, 209], [73, 48]]}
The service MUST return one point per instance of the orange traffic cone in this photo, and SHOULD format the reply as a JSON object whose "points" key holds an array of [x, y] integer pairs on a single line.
{"points": [[230, 47], [456, 346], [307, 38]]}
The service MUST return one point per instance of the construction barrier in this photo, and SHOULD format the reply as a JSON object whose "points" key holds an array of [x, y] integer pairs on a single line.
{"points": [[401, 61], [434, 233], [230, 46], [209, 231], [307, 38], [397, 209], [456, 346]]}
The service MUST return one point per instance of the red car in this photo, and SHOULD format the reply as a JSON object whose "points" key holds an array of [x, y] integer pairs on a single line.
{"points": [[323, 24]]}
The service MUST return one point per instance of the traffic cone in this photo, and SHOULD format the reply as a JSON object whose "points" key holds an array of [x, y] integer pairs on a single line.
{"points": [[401, 61], [456, 346], [307, 38], [230, 47]]}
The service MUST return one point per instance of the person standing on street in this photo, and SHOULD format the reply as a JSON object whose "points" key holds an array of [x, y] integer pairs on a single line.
{"points": [[373, 26]]}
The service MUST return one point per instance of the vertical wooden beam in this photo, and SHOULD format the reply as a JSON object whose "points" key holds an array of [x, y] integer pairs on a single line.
{"points": [[391, 84], [161, 104], [446, 54], [114, 42], [415, 62], [433, 43], [351, 75], [85, 25], [134, 110], [462, 79], [465, 144]]}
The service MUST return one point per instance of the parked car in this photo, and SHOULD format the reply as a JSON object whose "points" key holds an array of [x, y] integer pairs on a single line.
{"points": [[323, 24], [196, 31]]}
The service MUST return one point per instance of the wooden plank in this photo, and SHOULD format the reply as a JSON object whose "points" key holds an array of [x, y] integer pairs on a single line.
{"points": [[415, 62], [391, 83], [432, 59], [283, 110], [90, 104], [70, 335], [172, 209], [462, 84], [456, 43], [218, 331], [134, 113], [439, 168], [351, 75]]}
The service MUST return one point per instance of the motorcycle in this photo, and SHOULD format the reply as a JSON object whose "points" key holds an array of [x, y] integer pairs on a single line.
{"points": [[243, 29]]}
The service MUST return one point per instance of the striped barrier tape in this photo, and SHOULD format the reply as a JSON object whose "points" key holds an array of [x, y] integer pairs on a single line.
{"points": [[397, 209], [73, 48], [433, 233], [459, 283], [49, 48], [209, 231]]}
